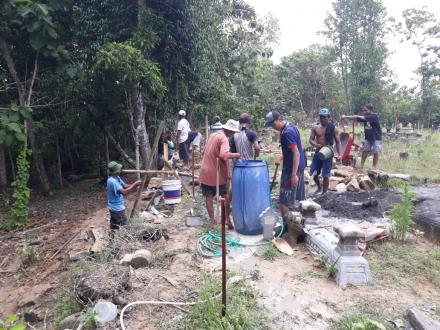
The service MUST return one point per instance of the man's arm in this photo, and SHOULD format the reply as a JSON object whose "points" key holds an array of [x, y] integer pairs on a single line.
{"points": [[338, 142], [126, 190], [294, 179], [353, 117], [312, 139], [256, 149]]}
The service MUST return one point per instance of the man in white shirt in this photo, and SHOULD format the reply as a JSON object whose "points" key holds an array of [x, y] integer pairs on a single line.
{"points": [[183, 130]]}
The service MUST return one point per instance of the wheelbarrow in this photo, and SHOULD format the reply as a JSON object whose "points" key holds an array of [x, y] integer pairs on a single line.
{"points": [[347, 142]]}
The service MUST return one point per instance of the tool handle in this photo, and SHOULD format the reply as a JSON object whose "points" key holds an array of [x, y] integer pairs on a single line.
{"points": [[274, 176]]}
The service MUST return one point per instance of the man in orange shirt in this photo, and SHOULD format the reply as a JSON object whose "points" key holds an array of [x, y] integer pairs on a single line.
{"points": [[217, 146]]}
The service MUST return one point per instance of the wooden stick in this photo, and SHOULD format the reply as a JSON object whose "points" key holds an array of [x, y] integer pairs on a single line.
{"points": [[65, 243], [192, 166], [158, 171], [148, 166]]}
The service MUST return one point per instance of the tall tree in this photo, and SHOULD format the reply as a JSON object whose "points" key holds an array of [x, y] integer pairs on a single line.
{"points": [[422, 29], [356, 30]]}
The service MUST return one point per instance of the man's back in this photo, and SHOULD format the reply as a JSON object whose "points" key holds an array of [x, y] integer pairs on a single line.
{"points": [[184, 128], [216, 147], [243, 143], [115, 199]]}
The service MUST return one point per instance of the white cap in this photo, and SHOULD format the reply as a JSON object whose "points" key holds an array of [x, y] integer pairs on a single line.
{"points": [[232, 125], [182, 113]]}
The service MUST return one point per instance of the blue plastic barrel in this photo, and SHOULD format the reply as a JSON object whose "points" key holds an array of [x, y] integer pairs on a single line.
{"points": [[250, 195]]}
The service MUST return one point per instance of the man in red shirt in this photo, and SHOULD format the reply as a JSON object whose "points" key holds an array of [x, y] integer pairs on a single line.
{"points": [[217, 146]]}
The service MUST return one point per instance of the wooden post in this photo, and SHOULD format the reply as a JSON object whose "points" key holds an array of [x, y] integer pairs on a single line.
{"points": [[192, 165], [206, 129], [223, 257], [147, 167], [165, 151]]}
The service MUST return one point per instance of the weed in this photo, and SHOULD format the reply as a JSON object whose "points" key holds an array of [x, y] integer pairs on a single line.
{"points": [[242, 311], [88, 317], [28, 255], [357, 322], [64, 307], [402, 215], [11, 323], [271, 253]]}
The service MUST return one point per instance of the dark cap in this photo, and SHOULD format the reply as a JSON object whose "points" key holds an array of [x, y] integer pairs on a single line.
{"points": [[271, 117], [244, 119]]}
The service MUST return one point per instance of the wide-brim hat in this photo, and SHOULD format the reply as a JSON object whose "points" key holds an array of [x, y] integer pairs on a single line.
{"points": [[232, 125], [182, 113], [114, 168]]}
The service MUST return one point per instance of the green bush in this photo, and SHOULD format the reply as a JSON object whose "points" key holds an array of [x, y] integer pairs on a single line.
{"points": [[18, 214], [402, 215]]}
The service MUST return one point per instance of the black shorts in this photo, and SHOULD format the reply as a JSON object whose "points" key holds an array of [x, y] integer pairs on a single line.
{"points": [[117, 219], [210, 191], [183, 151]]}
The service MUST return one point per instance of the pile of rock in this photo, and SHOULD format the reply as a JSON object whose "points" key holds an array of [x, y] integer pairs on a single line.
{"points": [[346, 178]]}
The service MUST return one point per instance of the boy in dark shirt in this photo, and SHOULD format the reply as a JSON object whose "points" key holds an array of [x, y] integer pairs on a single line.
{"points": [[293, 161], [373, 134]]}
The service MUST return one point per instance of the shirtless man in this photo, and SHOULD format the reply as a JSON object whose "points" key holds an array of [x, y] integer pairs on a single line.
{"points": [[324, 134]]}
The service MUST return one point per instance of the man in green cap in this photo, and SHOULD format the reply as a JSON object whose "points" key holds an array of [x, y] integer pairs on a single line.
{"points": [[116, 189]]}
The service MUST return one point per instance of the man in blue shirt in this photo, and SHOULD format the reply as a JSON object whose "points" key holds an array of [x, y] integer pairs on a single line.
{"points": [[116, 189], [373, 134], [293, 161]]}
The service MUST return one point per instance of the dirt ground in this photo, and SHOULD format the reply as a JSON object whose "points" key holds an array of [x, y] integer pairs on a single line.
{"points": [[295, 291]]}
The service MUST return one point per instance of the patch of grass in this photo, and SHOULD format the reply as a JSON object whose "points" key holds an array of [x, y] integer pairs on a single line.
{"points": [[271, 253], [405, 264], [242, 311], [306, 276], [64, 306], [88, 317], [357, 322], [423, 162], [28, 255]]}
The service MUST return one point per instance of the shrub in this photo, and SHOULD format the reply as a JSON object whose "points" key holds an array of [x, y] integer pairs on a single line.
{"points": [[402, 215]]}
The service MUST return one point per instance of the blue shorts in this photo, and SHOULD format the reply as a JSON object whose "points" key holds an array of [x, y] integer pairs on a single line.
{"points": [[324, 165], [288, 193]]}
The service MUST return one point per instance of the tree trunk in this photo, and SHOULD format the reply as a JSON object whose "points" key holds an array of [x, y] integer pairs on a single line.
{"points": [[12, 163], [38, 162], [3, 175], [60, 172], [139, 123], [107, 154], [119, 149]]}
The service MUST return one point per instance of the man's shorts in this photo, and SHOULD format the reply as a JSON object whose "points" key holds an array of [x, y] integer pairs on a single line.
{"points": [[372, 147], [117, 219], [183, 151], [210, 191], [324, 165], [288, 193]]}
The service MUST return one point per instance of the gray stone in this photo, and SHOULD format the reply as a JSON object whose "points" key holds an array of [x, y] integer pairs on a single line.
{"points": [[421, 321], [309, 205], [71, 322], [138, 259], [352, 270], [78, 255]]}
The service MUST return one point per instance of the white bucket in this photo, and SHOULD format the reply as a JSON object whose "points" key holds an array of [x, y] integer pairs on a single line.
{"points": [[172, 193]]}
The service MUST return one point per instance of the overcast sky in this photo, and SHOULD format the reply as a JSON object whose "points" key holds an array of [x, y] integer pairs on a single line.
{"points": [[300, 20]]}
